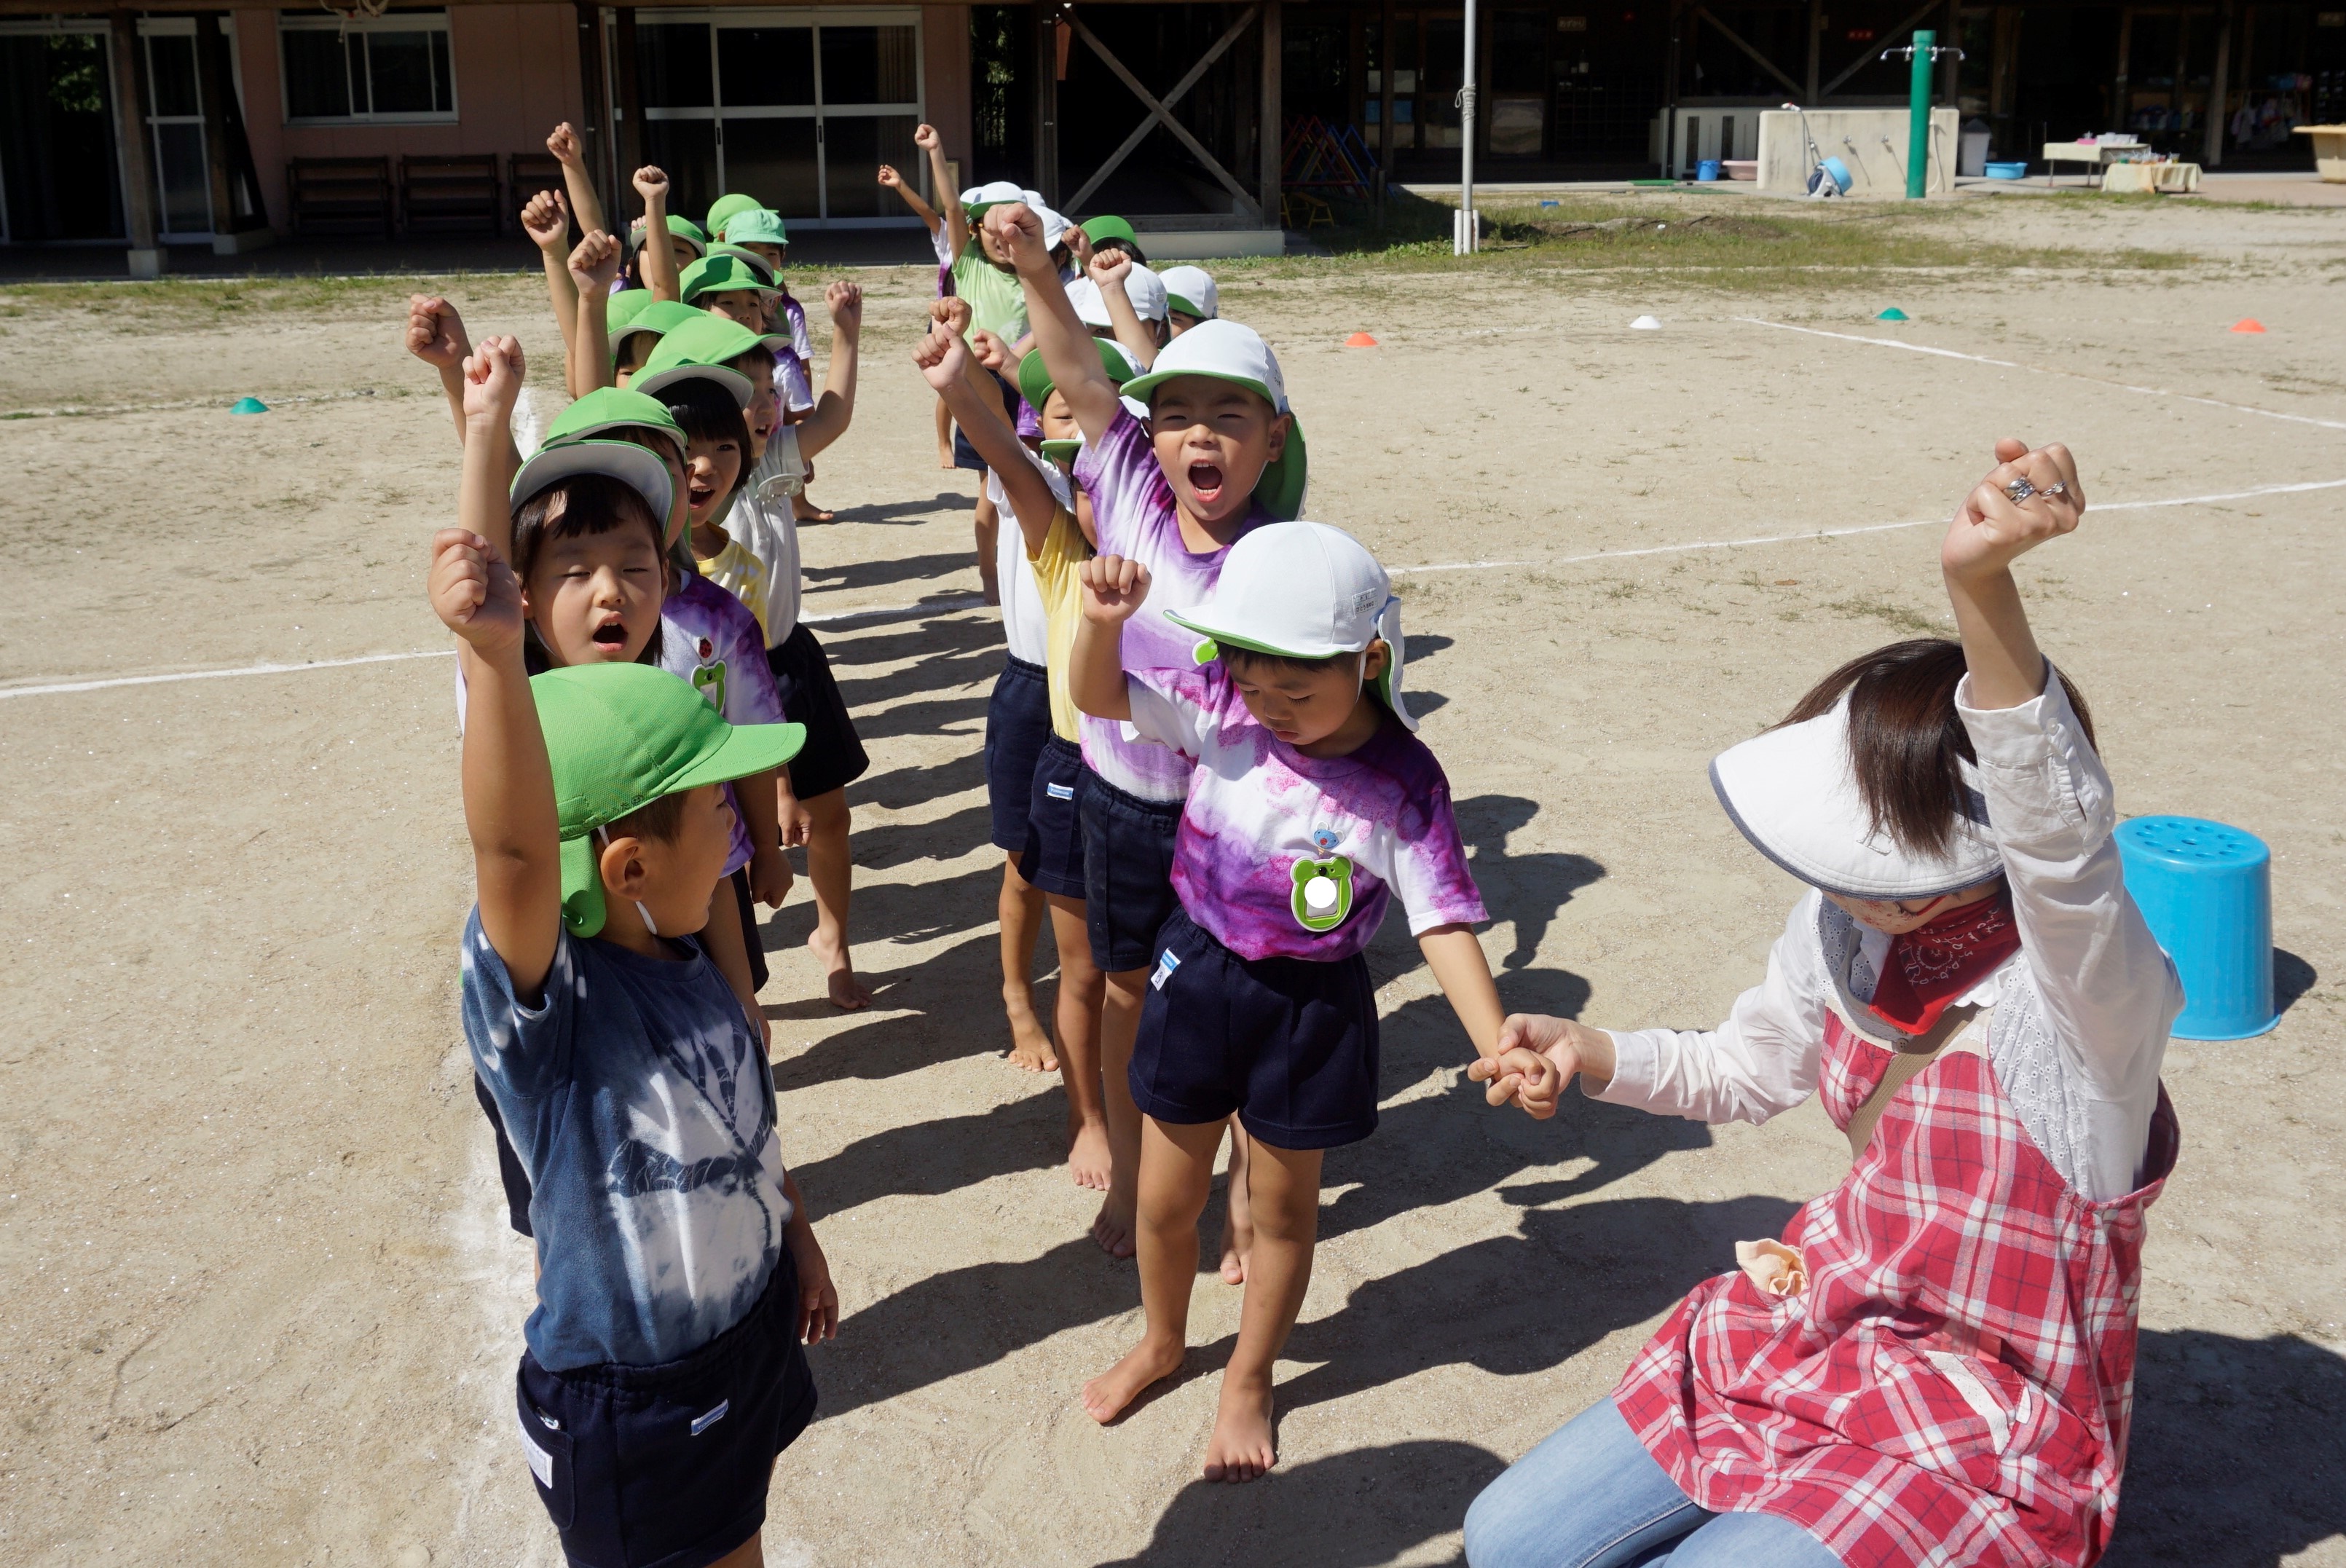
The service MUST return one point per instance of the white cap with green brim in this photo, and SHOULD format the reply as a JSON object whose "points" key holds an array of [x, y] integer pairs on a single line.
{"points": [[638, 468], [994, 193], [1142, 287], [1191, 291], [1226, 350], [1303, 590]]}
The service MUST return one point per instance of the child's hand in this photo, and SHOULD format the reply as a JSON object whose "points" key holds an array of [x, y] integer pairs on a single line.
{"points": [[818, 1296], [953, 311], [1107, 267], [1017, 228], [1520, 1074], [651, 184], [769, 876], [546, 218], [791, 813], [1079, 246], [846, 302], [595, 264], [1114, 587], [473, 592], [993, 353], [926, 139], [1992, 528], [889, 177], [564, 144], [942, 356], [1570, 1049], [435, 333], [493, 378]]}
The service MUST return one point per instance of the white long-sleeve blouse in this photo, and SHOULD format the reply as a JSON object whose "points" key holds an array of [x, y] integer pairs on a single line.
{"points": [[2082, 1011]]}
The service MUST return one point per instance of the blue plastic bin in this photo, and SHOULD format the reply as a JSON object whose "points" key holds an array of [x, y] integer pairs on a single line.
{"points": [[1708, 168], [2206, 891]]}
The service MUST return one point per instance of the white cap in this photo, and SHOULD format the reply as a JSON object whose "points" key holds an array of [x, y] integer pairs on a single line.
{"points": [[1793, 793], [994, 193], [1142, 287], [1191, 291], [1221, 349], [1055, 227], [1303, 590]]}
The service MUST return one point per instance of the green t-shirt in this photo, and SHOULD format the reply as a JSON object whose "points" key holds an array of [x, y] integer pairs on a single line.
{"points": [[997, 302]]}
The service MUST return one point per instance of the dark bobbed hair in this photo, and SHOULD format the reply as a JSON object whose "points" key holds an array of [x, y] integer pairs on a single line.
{"points": [[1907, 743], [706, 411], [1240, 659], [659, 820], [585, 504]]}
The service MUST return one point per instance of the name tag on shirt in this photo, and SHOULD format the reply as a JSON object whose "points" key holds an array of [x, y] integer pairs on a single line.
{"points": [[1060, 791], [1166, 964]]}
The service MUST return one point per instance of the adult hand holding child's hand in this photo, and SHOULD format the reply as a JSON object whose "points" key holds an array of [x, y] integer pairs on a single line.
{"points": [[473, 592], [1114, 588], [1567, 1048]]}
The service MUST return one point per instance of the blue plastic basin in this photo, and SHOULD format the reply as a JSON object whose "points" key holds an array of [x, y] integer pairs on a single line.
{"points": [[2008, 171], [2205, 889]]}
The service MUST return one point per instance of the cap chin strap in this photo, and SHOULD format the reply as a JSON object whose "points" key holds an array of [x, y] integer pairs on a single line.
{"points": [[641, 914]]}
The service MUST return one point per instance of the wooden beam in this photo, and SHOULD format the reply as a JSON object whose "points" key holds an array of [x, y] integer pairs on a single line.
{"points": [[1047, 105], [1162, 113], [1388, 54], [146, 258], [595, 107], [631, 137], [1274, 138], [2218, 82], [1762, 61], [1816, 43]]}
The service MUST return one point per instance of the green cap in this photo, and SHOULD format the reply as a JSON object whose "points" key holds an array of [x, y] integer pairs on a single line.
{"points": [[657, 317], [759, 225], [721, 273], [639, 468], [1061, 450], [702, 348], [1035, 382], [1105, 228], [613, 408], [619, 737], [723, 211], [759, 266], [620, 309], [682, 228]]}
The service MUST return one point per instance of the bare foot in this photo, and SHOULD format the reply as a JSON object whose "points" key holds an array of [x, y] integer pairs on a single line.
{"points": [[1106, 1396], [847, 993], [1241, 1448], [1030, 1047], [1112, 1228], [944, 457], [1088, 1159], [807, 512], [1237, 1242]]}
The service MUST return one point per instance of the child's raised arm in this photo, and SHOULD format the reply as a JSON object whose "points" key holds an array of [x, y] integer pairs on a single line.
{"points": [[492, 378], [1115, 586], [1059, 335], [911, 198], [584, 202], [592, 266], [1108, 270], [547, 223], [944, 359], [2028, 498], [435, 334], [834, 406], [508, 784], [659, 273], [1514, 1071], [956, 221]]}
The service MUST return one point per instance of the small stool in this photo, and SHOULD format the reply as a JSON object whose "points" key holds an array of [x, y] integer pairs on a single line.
{"points": [[2206, 891]]}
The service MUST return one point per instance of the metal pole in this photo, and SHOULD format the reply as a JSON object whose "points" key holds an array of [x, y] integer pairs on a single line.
{"points": [[1918, 118], [1469, 227]]}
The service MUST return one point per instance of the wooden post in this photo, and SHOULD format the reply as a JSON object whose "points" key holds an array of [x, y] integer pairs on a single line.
{"points": [[1047, 102], [630, 137], [2220, 82], [2121, 97], [235, 184], [1273, 133], [146, 258], [1816, 45], [1388, 62], [594, 144], [1951, 77], [2002, 72]]}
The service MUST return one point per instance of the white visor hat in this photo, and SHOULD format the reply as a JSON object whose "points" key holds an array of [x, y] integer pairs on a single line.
{"points": [[1140, 286], [1793, 793], [1191, 291], [1303, 590]]}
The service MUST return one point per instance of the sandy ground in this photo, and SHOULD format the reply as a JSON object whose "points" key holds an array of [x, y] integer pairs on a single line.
{"points": [[261, 1307]]}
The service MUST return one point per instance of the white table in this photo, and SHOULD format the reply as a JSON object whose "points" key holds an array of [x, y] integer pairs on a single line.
{"points": [[2097, 154]]}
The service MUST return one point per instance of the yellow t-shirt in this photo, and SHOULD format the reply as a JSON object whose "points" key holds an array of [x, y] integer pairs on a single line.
{"points": [[1059, 578]]}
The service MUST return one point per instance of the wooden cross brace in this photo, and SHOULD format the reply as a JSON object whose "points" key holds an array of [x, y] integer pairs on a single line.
{"points": [[1161, 112]]}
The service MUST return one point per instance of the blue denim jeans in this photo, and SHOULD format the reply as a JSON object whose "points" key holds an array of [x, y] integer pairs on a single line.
{"points": [[1589, 1496]]}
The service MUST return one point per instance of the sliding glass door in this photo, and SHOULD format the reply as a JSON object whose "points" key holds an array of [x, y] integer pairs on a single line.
{"points": [[798, 108]]}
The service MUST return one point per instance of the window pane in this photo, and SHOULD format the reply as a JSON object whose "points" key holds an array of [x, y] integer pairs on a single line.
{"points": [[186, 179], [317, 82], [773, 160], [853, 148], [870, 64], [687, 149], [443, 76], [766, 65], [171, 74], [672, 67], [399, 69], [56, 147]]}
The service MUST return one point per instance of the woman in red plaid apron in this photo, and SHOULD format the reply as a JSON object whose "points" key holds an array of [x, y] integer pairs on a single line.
{"points": [[1934, 1365]]}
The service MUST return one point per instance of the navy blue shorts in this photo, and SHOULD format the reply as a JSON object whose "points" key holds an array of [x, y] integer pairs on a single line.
{"points": [[833, 755], [666, 1467], [1017, 722], [1053, 856], [1128, 870], [1289, 1044]]}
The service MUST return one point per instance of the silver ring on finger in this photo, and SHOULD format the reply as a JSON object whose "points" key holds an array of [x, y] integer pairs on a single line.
{"points": [[2056, 490], [2020, 490]]}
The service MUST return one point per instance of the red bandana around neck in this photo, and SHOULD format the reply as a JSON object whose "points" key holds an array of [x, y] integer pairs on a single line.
{"points": [[1930, 966]]}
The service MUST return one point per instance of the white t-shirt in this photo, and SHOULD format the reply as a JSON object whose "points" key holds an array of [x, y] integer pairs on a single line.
{"points": [[760, 566], [1025, 626]]}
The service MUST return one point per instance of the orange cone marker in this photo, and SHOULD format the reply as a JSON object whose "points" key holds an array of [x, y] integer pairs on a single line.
{"points": [[2247, 324], [1363, 340]]}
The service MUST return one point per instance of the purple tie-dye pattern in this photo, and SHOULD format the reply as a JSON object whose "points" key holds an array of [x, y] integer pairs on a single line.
{"points": [[1257, 806], [1132, 507], [710, 639]]}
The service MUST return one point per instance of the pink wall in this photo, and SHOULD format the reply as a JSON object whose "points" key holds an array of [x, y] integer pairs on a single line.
{"points": [[517, 75], [944, 64]]}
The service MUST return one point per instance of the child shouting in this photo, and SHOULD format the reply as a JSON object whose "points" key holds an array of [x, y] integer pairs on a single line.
{"points": [[663, 1372], [1311, 804]]}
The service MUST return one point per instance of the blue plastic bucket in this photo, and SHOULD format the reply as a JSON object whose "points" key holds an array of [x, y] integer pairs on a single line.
{"points": [[2205, 889], [1706, 169], [1838, 172], [2008, 171]]}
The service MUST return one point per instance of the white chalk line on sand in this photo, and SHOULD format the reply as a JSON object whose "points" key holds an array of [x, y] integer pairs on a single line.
{"points": [[2048, 370], [952, 603]]}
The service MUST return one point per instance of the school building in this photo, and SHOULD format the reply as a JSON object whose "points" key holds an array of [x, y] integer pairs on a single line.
{"points": [[232, 125]]}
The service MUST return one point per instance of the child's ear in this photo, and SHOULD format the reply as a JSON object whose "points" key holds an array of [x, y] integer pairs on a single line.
{"points": [[622, 866], [1380, 655], [1279, 429]]}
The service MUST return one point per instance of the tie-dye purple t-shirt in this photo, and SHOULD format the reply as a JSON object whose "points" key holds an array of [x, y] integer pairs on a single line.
{"points": [[710, 638], [1282, 855], [1132, 506]]}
